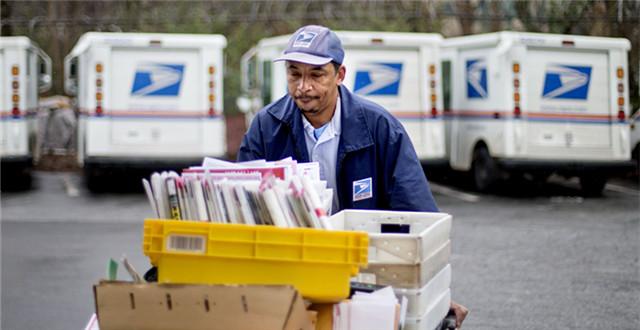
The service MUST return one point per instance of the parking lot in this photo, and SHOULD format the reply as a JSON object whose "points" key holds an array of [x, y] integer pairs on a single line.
{"points": [[528, 256]]}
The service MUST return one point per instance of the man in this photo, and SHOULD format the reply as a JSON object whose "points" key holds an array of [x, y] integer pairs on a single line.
{"points": [[364, 153]]}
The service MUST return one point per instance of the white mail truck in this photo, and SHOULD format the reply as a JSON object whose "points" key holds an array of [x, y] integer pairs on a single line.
{"points": [[634, 124], [400, 71], [635, 132], [25, 71], [146, 100], [635, 140], [535, 104]]}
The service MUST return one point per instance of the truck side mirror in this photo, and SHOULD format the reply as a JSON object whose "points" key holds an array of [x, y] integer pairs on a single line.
{"points": [[44, 72], [243, 103], [44, 83], [70, 75]]}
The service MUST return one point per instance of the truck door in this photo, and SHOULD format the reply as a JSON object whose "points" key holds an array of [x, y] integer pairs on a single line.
{"points": [[391, 78], [156, 99], [567, 102], [4, 103], [14, 88]]}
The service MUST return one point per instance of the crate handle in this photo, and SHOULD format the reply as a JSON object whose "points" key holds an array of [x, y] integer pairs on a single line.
{"points": [[395, 228]]}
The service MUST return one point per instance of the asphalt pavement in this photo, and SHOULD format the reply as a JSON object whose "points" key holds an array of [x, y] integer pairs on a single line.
{"points": [[526, 257]]}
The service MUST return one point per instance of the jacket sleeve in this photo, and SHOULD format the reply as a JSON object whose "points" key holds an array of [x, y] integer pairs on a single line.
{"points": [[252, 146], [408, 187]]}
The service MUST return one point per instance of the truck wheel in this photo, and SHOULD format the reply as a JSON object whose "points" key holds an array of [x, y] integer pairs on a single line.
{"points": [[16, 180], [94, 179], [540, 177], [485, 170], [635, 155], [592, 185]]}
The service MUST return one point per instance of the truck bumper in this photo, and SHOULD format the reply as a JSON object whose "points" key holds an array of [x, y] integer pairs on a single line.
{"points": [[11, 162], [154, 164], [567, 167], [435, 162]]}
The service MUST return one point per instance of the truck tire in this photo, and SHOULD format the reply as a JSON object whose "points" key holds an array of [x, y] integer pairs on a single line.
{"points": [[94, 179], [16, 180], [592, 185], [635, 155], [485, 170]]}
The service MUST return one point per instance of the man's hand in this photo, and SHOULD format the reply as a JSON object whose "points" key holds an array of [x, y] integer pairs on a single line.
{"points": [[460, 313]]}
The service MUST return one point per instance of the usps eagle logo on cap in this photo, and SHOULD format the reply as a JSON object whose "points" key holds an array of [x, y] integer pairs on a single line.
{"points": [[304, 39]]}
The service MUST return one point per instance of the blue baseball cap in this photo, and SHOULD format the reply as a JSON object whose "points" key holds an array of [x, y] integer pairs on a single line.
{"points": [[315, 45]]}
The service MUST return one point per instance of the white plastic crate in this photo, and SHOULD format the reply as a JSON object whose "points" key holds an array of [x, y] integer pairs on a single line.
{"points": [[427, 232], [408, 276], [433, 316], [419, 300]]}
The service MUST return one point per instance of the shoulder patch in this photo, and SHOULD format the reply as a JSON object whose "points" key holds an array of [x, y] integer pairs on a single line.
{"points": [[362, 189]]}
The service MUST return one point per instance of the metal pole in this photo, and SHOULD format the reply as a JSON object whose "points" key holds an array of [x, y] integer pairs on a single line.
{"points": [[619, 11]]}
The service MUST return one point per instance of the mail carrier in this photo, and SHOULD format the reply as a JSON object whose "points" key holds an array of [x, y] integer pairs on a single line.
{"points": [[25, 71], [400, 71], [147, 100], [535, 104]]}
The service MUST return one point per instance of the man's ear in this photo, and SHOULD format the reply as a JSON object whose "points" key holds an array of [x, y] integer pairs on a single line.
{"points": [[342, 71]]}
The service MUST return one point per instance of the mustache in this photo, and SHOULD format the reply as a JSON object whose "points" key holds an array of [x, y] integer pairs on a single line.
{"points": [[305, 96]]}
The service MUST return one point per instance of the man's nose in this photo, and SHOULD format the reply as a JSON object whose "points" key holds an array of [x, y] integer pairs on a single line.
{"points": [[304, 84]]}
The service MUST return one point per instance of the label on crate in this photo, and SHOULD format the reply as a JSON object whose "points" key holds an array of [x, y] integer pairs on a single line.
{"points": [[362, 277], [186, 243]]}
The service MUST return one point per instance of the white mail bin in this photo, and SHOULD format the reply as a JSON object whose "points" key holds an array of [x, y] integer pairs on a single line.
{"points": [[433, 316], [397, 237], [407, 276], [419, 300]]}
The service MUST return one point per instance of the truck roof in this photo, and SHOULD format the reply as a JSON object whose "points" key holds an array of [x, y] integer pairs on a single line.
{"points": [[366, 38], [537, 39], [147, 39], [17, 41]]}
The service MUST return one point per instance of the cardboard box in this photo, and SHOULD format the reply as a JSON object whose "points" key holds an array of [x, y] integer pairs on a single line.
{"points": [[125, 305]]}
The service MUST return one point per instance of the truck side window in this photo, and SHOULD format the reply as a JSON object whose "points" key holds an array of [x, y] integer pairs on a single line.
{"points": [[252, 75], [29, 57], [74, 68], [266, 82], [71, 84], [446, 85]]}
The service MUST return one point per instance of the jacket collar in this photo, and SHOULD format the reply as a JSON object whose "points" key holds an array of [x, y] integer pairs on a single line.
{"points": [[286, 111], [355, 132]]}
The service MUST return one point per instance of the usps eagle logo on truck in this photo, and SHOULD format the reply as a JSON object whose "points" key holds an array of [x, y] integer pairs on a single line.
{"points": [[157, 79], [567, 82], [477, 79], [378, 79]]}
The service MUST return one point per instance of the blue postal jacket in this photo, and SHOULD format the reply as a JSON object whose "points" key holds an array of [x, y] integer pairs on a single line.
{"points": [[377, 166]]}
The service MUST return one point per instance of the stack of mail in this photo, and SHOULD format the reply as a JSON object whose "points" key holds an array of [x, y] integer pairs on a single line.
{"points": [[410, 252], [282, 193]]}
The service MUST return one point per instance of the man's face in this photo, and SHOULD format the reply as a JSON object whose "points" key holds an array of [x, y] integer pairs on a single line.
{"points": [[314, 88]]}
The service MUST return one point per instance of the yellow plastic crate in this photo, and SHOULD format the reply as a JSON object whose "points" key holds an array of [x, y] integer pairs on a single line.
{"points": [[319, 263]]}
